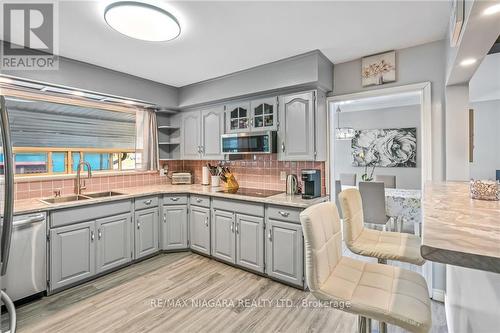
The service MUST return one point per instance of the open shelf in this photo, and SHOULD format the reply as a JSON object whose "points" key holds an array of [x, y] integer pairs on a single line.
{"points": [[169, 136]]}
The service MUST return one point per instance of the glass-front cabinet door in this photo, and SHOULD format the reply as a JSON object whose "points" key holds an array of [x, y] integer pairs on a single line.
{"points": [[238, 117], [264, 114]]}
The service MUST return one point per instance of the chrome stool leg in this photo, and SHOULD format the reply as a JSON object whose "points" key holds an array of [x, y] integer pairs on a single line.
{"points": [[382, 327], [364, 324]]}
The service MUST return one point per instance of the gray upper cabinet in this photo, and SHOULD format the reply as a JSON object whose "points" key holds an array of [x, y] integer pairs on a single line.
{"points": [[114, 246], [212, 127], [190, 129], [250, 242], [72, 254], [238, 117], [199, 229], [174, 227], [296, 131], [284, 252], [223, 230], [264, 114], [146, 232]]}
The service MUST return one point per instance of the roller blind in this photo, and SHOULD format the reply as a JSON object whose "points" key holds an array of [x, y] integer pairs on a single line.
{"points": [[47, 124]]}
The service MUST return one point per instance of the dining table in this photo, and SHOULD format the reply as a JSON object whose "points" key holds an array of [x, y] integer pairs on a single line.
{"points": [[404, 205]]}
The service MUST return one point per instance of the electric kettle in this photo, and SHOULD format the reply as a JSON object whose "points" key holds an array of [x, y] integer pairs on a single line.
{"points": [[292, 184]]}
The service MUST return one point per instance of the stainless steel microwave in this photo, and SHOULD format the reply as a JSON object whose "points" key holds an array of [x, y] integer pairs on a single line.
{"points": [[249, 143]]}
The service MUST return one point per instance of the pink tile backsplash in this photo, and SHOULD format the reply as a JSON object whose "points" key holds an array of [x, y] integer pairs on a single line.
{"points": [[46, 188], [263, 173]]}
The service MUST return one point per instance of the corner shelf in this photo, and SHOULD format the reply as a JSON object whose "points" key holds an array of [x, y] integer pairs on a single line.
{"points": [[169, 136]]}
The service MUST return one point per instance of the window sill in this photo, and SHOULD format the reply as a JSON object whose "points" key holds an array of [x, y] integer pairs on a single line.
{"points": [[32, 178]]}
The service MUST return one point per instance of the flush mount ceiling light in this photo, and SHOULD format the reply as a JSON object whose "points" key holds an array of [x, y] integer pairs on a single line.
{"points": [[142, 21], [492, 10], [468, 62]]}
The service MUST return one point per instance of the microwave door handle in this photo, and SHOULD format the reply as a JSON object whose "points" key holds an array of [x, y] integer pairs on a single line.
{"points": [[9, 188]]}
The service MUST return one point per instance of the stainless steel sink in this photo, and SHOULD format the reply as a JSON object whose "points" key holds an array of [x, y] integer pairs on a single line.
{"points": [[103, 194], [66, 198]]}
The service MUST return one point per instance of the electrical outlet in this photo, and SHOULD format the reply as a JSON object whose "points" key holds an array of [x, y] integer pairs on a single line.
{"points": [[282, 175], [162, 173]]}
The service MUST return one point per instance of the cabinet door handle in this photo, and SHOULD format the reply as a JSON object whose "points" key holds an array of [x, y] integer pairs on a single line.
{"points": [[92, 236], [269, 235], [232, 226], [206, 221], [99, 234], [138, 224], [237, 225], [148, 202], [283, 146], [164, 218], [198, 200], [175, 199], [284, 214]]}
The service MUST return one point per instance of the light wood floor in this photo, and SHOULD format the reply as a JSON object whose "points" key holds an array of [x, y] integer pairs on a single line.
{"points": [[121, 302]]}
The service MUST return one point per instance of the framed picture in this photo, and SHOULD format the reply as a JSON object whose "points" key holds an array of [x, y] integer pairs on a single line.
{"points": [[390, 148], [378, 69]]}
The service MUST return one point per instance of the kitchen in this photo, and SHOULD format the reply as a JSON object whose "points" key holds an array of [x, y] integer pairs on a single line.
{"points": [[139, 190]]}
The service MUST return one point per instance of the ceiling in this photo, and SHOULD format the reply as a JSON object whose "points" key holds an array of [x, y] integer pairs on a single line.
{"points": [[219, 38]]}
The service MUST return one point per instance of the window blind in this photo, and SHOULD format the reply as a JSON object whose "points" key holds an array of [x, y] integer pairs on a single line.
{"points": [[47, 124]]}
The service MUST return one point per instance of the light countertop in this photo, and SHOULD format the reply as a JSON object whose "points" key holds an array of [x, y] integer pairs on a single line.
{"points": [[35, 205], [458, 230]]}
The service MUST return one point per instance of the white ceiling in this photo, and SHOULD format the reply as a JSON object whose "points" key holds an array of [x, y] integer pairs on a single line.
{"points": [[219, 38]]}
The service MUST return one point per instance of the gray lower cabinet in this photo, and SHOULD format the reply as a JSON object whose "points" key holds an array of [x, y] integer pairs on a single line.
{"points": [[146, 232], [174, 227], [250, 242], [114, 246], [223, 231], [199, 229], [284, 252], [72, 254]]}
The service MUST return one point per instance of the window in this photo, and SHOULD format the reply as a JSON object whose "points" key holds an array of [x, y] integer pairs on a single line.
{"points": [[52, 138]]}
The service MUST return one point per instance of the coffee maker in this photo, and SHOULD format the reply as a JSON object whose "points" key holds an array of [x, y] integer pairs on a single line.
{"points": [[312, 183]]}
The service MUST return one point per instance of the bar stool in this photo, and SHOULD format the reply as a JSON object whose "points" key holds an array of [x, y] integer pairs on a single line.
{"points": [[383, 245], [372, 291]]}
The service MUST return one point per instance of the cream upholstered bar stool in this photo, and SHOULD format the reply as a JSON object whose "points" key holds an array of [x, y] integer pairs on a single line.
{"points": [[370, 290], [383, 245]]}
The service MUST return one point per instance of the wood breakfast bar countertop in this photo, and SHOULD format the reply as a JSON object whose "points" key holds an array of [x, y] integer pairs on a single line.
{"points": [[458, 230]]}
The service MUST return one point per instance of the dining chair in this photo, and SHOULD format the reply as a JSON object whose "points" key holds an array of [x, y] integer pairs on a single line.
{"points": [[338, 189], [348, 179], [383, 245], [389, 181], [384, 293], [374, 207]]}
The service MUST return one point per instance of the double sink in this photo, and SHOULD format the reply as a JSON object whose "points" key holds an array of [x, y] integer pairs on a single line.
{"points": [[75, 197]]}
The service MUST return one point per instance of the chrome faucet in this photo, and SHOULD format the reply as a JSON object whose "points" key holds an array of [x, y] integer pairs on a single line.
{"points": [[78, 186]]}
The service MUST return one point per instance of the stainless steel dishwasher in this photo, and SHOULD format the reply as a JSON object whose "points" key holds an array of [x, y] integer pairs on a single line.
{"points": [[27, 274]]}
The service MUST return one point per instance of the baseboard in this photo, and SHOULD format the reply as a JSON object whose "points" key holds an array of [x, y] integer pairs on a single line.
{"points": [[438, 295]]}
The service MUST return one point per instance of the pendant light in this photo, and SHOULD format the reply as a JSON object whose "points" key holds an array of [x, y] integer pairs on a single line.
{"points": [[343, 133]]}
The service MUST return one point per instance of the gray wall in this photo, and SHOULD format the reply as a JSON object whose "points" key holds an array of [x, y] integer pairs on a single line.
{"points": [[85, 76], [486, 140], [395, 117], [415, 64], [311, 69]]}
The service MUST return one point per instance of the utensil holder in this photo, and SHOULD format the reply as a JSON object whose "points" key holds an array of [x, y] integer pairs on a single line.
{"points": [[215, 181]]}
